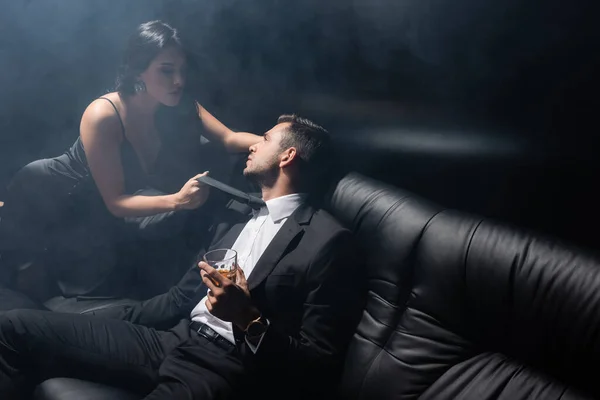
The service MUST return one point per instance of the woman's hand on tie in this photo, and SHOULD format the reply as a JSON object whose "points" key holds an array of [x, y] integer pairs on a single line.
{"points": [[192, 195]]}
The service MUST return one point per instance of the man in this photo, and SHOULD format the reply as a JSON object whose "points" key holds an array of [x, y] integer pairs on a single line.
{"points": [[279, 330]]}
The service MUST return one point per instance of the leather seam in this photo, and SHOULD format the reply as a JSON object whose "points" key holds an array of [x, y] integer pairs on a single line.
{"points": [[412, 254], [468, 251]]}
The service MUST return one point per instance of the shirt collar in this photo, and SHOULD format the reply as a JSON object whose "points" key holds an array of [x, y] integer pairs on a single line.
{"points": [[282, 207]]}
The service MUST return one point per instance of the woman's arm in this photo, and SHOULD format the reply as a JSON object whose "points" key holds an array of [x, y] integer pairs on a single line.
{"points": [[234, 142], [101, 136]]}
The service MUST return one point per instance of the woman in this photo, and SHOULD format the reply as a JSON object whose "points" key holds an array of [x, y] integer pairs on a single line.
{"points": [[73, 212]]}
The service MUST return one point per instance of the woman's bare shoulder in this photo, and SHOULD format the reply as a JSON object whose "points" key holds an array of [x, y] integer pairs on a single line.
{"points": [[100, 116]]}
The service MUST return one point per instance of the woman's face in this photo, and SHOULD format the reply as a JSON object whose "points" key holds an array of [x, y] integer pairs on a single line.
{"points": [[165, 76]]}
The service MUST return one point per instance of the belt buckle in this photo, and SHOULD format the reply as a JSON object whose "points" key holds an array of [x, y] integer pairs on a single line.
{"points": [[209, 334]]}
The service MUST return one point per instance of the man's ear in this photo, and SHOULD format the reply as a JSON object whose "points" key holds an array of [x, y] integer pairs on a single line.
{"points": [[287, 157]]}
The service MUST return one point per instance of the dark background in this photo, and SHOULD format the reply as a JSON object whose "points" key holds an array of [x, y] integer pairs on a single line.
{"points": [[485, 106]]}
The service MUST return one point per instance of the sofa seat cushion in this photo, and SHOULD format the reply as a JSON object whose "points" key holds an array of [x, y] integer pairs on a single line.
{"points": [[75, 389], [11, 300], [495, 376]]}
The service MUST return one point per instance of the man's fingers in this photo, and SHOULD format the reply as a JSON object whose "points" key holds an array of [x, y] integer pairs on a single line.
{"points": [[211, 298], [211, 301], [209, 282], [205, 267], [240, 277], [214, 275], [212, 284]]}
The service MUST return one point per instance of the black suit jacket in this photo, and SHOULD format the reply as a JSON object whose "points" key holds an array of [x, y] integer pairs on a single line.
{"points": [[307, 283]]}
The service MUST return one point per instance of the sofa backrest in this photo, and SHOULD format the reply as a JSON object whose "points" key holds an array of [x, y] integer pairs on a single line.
{"points": [[388, 223], [461, 307]]}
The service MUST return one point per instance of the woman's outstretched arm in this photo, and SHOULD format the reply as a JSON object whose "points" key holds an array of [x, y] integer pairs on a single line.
{"points": [[234, 142]]}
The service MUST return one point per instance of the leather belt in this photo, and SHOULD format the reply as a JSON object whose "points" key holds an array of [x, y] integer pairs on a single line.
{"points": [[209, 334]]}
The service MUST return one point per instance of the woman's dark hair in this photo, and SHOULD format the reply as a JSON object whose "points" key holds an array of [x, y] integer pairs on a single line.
{"points": [[145, 44]]}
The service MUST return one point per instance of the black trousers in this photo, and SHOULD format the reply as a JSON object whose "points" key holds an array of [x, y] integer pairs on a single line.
{"points": [[174, 364], [57, 220]]}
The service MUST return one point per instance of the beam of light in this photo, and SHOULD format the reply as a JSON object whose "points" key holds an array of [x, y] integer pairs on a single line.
{"points": [[437, 142]]}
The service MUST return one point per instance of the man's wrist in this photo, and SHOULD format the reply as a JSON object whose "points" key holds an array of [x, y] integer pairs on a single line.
{"points": [[249, 316]]}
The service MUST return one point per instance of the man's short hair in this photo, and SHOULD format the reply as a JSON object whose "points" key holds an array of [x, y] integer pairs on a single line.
{"points": [[313, 147]]}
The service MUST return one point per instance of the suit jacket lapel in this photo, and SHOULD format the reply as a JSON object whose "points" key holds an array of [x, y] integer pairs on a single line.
{"points": [[280, 245], [227, 231], [227, 241]]}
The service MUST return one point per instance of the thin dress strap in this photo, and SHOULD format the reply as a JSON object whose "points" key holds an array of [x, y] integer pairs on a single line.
{"points": [[118, 115]]}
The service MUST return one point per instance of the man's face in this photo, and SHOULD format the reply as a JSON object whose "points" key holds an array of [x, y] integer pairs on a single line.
{"points": [[263, 161]]}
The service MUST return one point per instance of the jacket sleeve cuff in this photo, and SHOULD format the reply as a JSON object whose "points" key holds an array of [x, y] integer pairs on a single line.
{"points": [[254, 343]]}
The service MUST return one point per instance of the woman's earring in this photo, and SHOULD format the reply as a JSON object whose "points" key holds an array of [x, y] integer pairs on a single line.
{"points": [[139, 86]]}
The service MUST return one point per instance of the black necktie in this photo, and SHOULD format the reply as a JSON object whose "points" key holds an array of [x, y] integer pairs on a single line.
{"points": [[245, 198]]}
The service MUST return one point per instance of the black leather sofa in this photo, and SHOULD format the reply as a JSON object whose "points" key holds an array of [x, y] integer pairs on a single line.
{"points": [[458, 307]]}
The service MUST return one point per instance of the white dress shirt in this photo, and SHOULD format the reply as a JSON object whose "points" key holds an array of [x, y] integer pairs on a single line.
{"points": [[250, 245]]}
